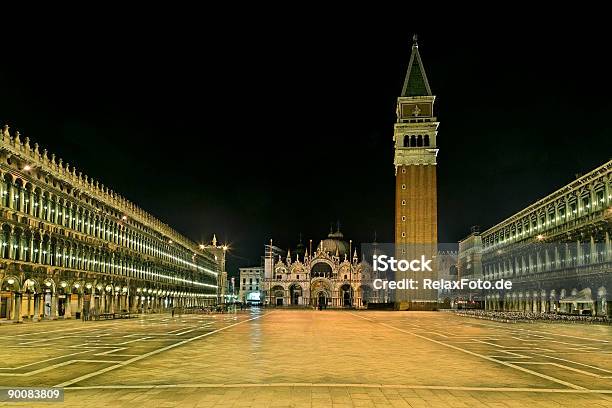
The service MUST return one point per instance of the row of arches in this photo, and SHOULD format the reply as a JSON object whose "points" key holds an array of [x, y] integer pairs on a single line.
{"points": [[83, 298], [20, 244], [320, 292], [88, 219], [587, 301], [592, 199], [547, 258], [416, 141], [319, 269]]}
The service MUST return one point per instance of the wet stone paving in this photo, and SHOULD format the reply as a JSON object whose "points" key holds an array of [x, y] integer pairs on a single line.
{"points": [[309, 358]]}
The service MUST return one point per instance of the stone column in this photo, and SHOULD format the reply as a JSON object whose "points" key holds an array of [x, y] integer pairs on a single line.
{"points": [[103, 301], [21, 199], [17, 316], [54, 301], [68, 310], [11, 249], [80, 305], [111, 306], [11, 308], [10, 191], [36, 313]]}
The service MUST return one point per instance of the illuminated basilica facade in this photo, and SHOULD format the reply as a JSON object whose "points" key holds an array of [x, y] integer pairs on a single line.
{"points": [[73, 248], [326, 277]]}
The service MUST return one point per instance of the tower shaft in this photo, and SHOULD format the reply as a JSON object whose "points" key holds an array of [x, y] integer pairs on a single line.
{"points": [[416, 212]]}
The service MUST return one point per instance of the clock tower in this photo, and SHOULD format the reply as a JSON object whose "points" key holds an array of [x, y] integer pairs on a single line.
{"points": [[416, 215]]}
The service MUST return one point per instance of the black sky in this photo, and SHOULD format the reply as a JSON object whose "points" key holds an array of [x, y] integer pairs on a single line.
{"points": [[268, 130]]}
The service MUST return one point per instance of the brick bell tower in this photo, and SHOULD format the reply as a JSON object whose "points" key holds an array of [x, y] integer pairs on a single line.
{"points": [[416, 214]]}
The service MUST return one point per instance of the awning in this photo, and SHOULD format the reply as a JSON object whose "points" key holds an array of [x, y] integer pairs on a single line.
{"points": [[584, 296]]}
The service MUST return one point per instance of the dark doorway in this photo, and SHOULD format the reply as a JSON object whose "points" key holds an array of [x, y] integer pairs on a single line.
{"points": [[347, 298], [4, 307], [296, 293], [61, 305], [322, 300]]}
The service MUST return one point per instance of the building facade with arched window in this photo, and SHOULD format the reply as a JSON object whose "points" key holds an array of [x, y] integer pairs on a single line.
{"points": [[70, 247], [557, 252], [327, 277]]}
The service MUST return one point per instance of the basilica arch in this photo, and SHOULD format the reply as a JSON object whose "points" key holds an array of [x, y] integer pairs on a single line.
{"points": [[296, 294], [320, 292]]}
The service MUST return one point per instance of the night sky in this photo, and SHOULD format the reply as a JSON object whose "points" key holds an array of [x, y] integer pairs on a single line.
{"points": [[266, 130]]}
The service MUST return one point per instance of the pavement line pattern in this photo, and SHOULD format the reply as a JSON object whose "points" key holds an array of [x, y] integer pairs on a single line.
{"points": [[508, 364], [350, 385], [41, 361], [529, 331], [149, 354]]}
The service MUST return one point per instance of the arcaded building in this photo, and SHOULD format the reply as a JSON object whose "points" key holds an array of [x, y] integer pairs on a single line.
{"points": [[557, 252], [71, 247]]}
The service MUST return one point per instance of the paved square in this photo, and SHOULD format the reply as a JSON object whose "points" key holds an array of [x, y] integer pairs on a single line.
{"points": [[299, 358]]}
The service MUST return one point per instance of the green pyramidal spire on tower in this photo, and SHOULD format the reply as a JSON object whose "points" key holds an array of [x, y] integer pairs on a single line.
{"points": [[416, 83]]}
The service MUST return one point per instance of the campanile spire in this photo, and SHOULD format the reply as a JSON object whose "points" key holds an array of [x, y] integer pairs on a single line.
{"points": [[415, 143], [415, 83]]}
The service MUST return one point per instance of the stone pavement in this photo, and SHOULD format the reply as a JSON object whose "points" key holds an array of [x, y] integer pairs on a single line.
{"points": [[300, 358]]}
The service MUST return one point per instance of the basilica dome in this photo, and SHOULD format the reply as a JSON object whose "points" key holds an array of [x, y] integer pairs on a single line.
{"points": [[335, 242]]}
